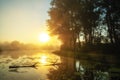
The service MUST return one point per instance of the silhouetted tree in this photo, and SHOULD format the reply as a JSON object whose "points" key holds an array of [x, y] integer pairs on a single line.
{"points": [[70, 18], [92, 18], [112, 19]]}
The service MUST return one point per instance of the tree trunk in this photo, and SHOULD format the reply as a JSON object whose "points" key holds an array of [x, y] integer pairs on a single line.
{"points": [[108, 19]]}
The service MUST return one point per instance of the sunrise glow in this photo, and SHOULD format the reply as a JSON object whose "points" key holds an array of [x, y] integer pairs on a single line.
{"points": [[44, 37]]}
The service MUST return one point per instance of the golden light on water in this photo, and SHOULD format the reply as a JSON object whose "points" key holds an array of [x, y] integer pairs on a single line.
{"points": [[46, 59], [43, 59]]}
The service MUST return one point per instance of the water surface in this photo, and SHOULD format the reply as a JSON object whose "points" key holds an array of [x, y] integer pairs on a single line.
{"points": [[44, 65], [42, 59]]}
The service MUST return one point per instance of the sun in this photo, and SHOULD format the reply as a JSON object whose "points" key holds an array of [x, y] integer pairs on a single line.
{"points": [[44, 37]]}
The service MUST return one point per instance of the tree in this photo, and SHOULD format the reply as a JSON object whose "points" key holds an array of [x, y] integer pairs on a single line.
{"points": [[112, 18], [92, 18]]}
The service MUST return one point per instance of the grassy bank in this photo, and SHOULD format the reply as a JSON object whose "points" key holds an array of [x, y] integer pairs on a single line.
{"points": [[99, 49], [102, 54]]}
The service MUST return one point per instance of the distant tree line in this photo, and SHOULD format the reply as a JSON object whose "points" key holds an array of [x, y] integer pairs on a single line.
{"points": [[16, 45], [97, 21]]}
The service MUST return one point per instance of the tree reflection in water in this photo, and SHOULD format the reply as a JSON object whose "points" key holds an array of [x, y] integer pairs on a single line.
{"points": [[72, 69], [65, 71]]}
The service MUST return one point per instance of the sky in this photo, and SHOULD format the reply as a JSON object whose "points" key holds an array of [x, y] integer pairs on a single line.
{"points": [[23, 20]]}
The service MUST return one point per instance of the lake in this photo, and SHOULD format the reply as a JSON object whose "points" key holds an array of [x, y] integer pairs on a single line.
{"points": [[44, 65]]}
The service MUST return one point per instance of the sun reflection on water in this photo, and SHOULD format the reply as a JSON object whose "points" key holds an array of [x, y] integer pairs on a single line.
{"points": [[46, 59], [43, 60], [37, 64]]}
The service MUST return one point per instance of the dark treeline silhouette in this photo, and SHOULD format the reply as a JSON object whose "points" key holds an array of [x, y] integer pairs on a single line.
{"points": [[97, 21]]}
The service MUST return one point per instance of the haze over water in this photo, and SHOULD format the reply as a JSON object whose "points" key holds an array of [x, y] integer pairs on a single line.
{"points": [[71, 43]]}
